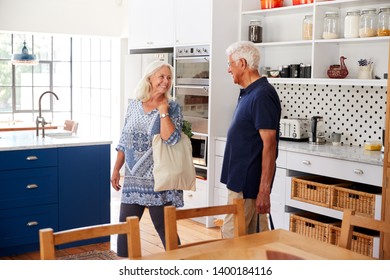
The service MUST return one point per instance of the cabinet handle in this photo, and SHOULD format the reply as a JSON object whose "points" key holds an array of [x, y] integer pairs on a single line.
{"points": [[358, 171], [306, 162], [31, 158], [31, 186], [32, 223]]}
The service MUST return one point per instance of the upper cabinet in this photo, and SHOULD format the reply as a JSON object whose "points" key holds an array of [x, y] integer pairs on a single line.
{"points": [[151, 23], [159, 24], [283, 42], [193, 22]]}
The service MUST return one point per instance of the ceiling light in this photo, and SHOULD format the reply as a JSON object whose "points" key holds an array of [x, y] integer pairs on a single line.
{"points": [[24, 58]]}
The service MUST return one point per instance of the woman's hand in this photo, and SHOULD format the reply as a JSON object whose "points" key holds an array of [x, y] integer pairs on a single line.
{"points": [[115, 180], [163, 107]]}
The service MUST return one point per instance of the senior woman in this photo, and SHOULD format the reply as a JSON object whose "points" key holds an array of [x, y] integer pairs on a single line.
{"points": [[152, 112]]}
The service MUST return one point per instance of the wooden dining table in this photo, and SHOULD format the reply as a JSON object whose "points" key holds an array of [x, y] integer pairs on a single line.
{"points": [[256, 247]]}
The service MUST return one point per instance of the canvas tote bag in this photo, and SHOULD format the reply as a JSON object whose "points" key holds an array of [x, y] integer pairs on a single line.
{"points": [[173, 165]]}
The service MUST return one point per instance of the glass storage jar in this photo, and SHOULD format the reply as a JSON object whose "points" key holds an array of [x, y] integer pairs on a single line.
{"points": [[368, 23], [307, 27], [331, 25], [384, 22], [255, 32], [351, 24]]}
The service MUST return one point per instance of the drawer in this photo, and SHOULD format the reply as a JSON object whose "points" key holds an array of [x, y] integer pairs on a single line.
{"points": [[20, 188], [218, 169], [220, 196], [336, 168], [23, 159], [282, 159], [220, 147], [196, 198], [20, 226]]}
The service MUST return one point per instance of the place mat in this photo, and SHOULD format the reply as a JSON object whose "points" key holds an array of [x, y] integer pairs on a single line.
{"points": [[92, 255]]}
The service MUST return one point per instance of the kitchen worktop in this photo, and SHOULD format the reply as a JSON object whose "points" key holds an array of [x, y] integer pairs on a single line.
{"points": [[22, 140], [343, 152]]}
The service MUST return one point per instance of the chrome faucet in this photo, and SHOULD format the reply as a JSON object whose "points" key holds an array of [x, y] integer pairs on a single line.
{"points": [[40, 119]]}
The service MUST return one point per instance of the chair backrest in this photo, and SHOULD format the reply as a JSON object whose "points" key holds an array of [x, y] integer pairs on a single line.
{"points": [[49, 239], [71, 126], [350, 220], [171, 215]]}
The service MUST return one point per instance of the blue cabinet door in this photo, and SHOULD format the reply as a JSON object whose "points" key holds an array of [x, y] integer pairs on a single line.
{"points": [[84, 186]]}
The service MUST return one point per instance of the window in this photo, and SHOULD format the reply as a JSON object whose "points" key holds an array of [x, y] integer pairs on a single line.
{"points": [[77, 69]]}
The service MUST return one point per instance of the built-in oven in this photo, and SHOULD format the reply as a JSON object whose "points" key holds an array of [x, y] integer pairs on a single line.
{"points": [[192, 65], [192, 85], [199, 149]]}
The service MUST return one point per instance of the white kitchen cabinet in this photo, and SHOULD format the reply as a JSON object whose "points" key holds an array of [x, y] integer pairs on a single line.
{"points": [[151, 23], [283, 45], [358, 172], [193, 22], [198, 198], [156, 23], [278, 190]]}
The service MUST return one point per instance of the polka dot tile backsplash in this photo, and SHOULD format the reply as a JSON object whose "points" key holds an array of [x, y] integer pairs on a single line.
{"points": [[357, 112]]}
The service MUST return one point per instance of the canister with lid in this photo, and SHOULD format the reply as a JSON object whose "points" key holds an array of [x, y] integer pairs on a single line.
{"points": [[351, 24], [307, 27], [255, 32], [331, 25], [384, 22], [368, 23]]}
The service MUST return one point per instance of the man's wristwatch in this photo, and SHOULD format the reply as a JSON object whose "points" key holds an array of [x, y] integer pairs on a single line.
{"points": [[163, 115]]}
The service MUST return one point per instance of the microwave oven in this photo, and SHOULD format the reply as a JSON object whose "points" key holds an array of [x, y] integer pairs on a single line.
{"points": [[199, 149]]}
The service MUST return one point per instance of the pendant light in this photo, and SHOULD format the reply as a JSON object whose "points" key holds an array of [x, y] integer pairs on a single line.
{"points": [[24, 58]]}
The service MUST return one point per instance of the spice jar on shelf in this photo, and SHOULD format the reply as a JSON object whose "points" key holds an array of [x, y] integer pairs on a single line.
{"points": [[351, 24], [307, 27], [384, 22], [368, 23], [331, 25], [255, 32]]}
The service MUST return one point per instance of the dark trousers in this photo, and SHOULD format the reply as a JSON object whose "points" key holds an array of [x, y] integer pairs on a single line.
{"points": [[156, 214]]}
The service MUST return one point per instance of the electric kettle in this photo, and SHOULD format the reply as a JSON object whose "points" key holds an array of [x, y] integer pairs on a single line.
{"points": [[317, 133]]}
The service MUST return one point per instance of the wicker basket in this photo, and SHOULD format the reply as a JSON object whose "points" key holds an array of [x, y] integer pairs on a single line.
{"points": [[312, 225], [315, 189], [362, 242], [360, 198]]}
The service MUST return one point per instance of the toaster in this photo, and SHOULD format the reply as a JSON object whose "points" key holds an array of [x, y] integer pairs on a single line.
{"points": [[294, 129]]}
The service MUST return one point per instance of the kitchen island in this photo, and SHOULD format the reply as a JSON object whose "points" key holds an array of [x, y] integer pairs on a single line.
{"points": [[60, 182]]}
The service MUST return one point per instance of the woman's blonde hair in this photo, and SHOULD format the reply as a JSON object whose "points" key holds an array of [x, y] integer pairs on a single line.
{"points": [[144, 86]]}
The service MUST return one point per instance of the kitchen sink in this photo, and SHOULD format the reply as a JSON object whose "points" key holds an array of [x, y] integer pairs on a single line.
{"points": [[60, 135]]}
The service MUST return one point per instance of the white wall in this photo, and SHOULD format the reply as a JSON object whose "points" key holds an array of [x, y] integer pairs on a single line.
{"points": [[74, 17]]}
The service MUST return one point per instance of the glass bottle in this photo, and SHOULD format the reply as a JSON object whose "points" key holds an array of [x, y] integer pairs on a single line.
{"points": [[384, 22], [255, 32], [331, 25], [307, 28], [351, 24], [368, 23]]}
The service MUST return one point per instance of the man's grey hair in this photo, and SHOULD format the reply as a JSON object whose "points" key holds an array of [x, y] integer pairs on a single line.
{"points": [[246, 50]]}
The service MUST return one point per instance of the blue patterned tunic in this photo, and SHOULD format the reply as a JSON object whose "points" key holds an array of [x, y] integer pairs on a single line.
{"points": [[136, 143]]}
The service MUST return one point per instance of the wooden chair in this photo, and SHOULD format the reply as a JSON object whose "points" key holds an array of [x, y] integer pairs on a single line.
{"points": [[71, 126], [350, 220], [171, 215], [48, 239]]}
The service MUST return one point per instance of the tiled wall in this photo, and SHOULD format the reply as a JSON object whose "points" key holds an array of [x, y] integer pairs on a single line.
{"points": [[358, 112]]}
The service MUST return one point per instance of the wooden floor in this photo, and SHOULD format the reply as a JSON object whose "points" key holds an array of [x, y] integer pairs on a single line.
{"points": [[189, 231]]}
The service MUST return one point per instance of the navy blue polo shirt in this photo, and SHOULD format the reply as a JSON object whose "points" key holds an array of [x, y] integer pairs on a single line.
{"points": [[258, 107]]}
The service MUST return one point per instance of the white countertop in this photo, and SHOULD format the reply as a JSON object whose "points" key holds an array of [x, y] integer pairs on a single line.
{"points": [[24, 140], [344, 152]]}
